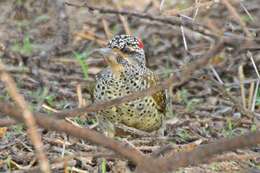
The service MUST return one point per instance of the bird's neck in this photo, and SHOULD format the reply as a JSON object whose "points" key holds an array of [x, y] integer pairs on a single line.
{"points": [[117, 69]]}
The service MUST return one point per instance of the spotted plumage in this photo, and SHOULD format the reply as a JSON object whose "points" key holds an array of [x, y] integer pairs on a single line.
{"points": [[145, 113]]}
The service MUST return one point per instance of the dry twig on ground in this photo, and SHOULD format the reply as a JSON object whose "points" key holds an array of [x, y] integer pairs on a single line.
{"points": [[234, 13], [6, 122], [174, 21], [27, 118], [145, 164]]}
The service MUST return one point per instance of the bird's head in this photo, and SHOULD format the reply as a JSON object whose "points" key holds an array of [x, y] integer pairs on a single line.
{"points": [[127, 48]]}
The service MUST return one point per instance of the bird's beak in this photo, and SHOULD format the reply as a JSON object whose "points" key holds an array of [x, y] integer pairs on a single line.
{"points": [[110, 57], [106, 52]]}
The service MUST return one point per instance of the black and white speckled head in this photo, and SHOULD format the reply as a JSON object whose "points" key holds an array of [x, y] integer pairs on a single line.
{"points": [[129, 45]]}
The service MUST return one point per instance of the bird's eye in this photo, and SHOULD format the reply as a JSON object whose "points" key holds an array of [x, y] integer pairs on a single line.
{"points": [[126, 49]]}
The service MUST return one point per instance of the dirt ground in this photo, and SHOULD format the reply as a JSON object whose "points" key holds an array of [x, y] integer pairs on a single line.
{"points": [[48, 50]]}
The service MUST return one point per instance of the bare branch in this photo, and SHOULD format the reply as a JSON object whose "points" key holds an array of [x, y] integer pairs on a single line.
{"points": [[49, 123], [235, 14], [175, 21], [7, 122], [204, 152], [27, 118], [145, 164]]}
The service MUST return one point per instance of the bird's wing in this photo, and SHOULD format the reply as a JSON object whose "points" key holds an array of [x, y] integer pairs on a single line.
{"points": [[160, 96]]}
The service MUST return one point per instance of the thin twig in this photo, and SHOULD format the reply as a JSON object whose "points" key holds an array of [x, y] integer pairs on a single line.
{"points": [[175, 21], [161, 5], [27, 118], [257, 84], [197, 2], [234, 13], [184, 39], [145, 164], [124, 21], [216, 74], [255, 96], [174, 12], [251, 95], [234, 100], [106, 29], [90, 36], [242, 87], [7, 122], [81, 101], [247, 12], [50, 123], [235, 84], [203, 152], [253, 62]]}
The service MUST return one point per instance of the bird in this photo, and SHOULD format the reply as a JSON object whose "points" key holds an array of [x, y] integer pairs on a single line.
{"points": [[126, 73]]}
